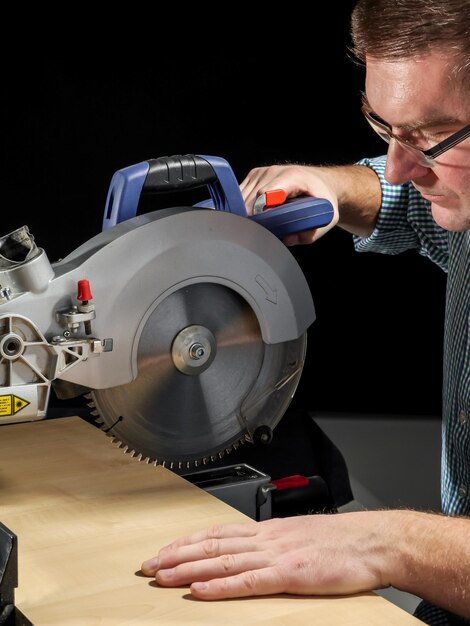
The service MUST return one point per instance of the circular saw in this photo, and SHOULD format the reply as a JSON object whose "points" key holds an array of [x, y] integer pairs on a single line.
{"points": [[184, 327]]}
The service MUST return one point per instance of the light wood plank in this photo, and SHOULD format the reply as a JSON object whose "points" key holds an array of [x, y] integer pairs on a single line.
{"points": [[86, 515]]}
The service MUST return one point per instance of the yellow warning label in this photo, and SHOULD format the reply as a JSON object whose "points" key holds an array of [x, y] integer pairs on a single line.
{"points": [[11, 404]]}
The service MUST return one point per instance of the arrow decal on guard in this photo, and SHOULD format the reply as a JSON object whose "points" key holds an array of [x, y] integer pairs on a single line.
{"points": [[270, 292], [11, 404]]}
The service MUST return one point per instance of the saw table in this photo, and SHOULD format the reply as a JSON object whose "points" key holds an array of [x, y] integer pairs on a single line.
{"points": [[86, 515]]}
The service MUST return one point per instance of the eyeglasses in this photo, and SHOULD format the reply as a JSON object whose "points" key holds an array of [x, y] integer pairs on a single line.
{"points": [[426, 158]]}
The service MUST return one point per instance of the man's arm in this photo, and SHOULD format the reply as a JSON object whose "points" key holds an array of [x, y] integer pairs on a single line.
{"points": [[354, 191], [421, 553], [435, 554]]}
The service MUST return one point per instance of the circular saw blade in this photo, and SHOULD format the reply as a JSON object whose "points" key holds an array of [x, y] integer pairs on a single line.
{"points": [[178, 412]]}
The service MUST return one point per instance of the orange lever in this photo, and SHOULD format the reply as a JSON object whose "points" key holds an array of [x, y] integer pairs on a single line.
{"points": [[275, 197], [269, 199]]}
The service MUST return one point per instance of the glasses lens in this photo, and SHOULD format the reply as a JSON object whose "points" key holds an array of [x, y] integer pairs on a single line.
{"points": [[380, 129], [419, 157], [386, 134]]}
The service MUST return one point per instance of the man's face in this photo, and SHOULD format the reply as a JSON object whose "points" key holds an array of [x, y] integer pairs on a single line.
{"points": [[423, 107]]}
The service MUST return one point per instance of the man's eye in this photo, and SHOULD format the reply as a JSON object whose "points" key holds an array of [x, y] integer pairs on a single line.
{"points": [[424, 139], [418, 138], [436, 136]]}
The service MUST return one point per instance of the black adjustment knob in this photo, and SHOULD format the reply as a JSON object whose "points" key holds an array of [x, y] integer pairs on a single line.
{"points": [[263, 435]]}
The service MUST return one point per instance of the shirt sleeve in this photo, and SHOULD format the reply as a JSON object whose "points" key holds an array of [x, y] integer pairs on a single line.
{"points": [[404, 222]]}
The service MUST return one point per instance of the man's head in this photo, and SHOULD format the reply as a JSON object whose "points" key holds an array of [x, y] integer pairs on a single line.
{"points": [[417, 58], [391, 30]]}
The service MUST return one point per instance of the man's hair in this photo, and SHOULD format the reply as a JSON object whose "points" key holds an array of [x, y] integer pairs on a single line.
{"points": [[399, 29]]}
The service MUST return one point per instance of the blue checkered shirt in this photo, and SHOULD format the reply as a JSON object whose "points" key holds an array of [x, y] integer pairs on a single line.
{"points": [[405, 222]]}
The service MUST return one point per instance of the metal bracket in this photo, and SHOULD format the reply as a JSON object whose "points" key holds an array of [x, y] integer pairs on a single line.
{"points": [[9, 614]]}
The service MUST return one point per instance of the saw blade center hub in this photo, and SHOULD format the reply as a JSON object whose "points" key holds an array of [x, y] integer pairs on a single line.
{"points": [[193, 349]]}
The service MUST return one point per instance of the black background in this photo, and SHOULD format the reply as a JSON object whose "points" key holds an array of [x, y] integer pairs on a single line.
{"points": [[283, 91]]}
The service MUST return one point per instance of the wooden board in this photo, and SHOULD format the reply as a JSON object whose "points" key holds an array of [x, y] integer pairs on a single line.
{"points": [[86, 516]]}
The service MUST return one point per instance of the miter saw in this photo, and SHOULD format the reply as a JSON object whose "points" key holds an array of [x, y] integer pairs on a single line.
{"points": [[184, 327]]}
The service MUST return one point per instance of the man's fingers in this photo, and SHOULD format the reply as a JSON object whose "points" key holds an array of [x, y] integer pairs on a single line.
{"points": [[200, 545], [220, 531], [207, 549], [261, 180], [266, 581], [225, 576], [302, 238]]}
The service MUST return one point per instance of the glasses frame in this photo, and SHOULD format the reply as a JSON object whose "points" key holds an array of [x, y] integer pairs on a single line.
{"points": [[427, 156]]}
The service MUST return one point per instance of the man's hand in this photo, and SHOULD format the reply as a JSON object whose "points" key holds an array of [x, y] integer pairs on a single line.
{"points": [[295, 180], [353, 190], [425, 554], [304, 555]]}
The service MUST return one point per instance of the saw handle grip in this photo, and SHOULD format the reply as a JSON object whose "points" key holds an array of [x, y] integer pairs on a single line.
{"points": [[168, 174], [182, 172]]}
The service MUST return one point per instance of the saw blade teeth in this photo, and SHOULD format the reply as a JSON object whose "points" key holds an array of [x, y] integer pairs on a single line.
{"points": [[176, 464]]}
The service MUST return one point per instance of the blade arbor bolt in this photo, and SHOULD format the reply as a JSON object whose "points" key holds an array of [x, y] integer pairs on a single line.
{"points": [[197, 351]]}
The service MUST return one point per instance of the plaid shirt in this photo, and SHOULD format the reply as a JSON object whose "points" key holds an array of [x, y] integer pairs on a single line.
{"points": [[405, 222]]}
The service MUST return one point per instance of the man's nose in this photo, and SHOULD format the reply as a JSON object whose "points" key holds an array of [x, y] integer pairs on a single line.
{"points": [[402, 166]]}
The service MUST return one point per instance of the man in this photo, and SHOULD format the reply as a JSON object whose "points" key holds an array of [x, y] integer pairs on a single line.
{"points": [[417, 97]]}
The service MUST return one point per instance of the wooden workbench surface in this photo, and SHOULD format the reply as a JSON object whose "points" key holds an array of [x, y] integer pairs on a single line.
{"points": [[86, 516]]}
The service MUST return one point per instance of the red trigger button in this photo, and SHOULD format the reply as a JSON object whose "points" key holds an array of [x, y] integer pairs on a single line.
{"points": [[269, 199], [275, 197]]}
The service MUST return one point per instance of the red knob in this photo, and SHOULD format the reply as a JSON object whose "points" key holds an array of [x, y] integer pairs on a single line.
{"points": [[84, 291]]}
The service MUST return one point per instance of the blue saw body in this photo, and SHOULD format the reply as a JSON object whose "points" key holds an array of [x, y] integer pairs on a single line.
{"points": [[181, 172]]}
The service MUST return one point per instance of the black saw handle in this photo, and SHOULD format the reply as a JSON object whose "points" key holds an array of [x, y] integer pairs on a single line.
{"points": [[189, 171]]}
